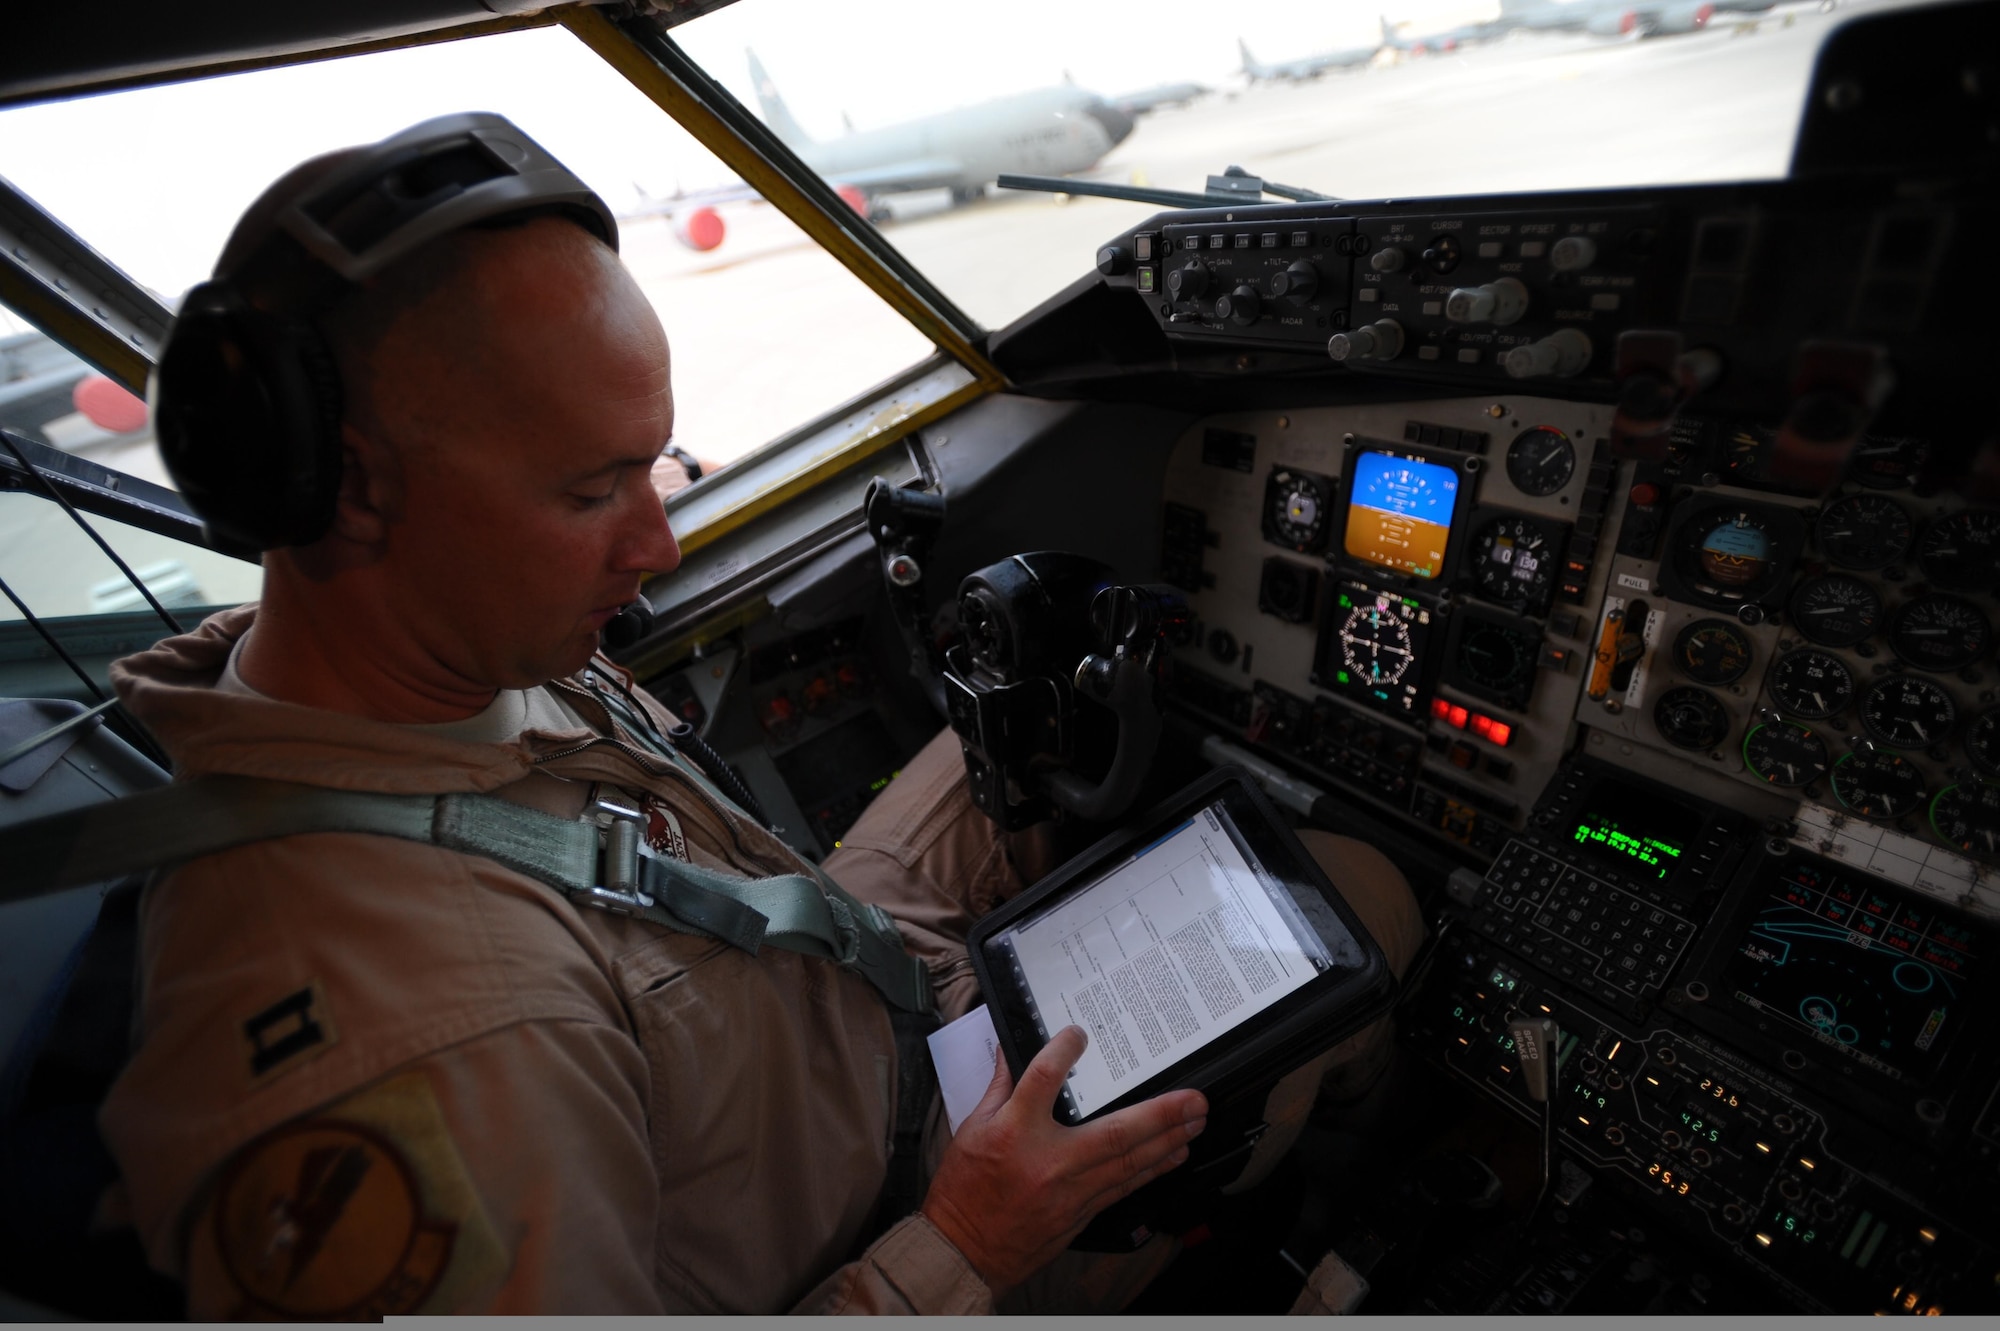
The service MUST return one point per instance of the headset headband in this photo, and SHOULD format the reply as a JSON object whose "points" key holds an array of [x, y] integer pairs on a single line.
{"points": [[432, 179]]}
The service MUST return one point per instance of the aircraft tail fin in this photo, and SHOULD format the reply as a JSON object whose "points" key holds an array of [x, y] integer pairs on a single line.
{"points": [[1250, 65], [776, 114], [1388, 30]]}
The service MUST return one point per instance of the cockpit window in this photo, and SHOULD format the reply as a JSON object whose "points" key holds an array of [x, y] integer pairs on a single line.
{"points": [[768, 331], [48, 397], [912, 118]]}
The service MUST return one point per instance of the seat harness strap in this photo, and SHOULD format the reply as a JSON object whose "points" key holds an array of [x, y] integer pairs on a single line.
{"points": [[604, 864]]}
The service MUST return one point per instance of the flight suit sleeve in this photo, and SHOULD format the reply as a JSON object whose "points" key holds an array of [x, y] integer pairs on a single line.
{"points": [[508, 1174], [913, 1268]]}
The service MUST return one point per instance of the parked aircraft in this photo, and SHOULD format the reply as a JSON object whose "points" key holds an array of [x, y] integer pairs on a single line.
{"points": [[1045, 131], [1153, 98], [1305, 67]]}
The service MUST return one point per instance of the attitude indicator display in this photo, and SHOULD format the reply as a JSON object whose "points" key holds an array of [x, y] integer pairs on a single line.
{"points": [[1399, 512]]}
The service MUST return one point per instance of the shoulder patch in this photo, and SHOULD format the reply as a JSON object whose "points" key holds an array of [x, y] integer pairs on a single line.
{"points": [[362, 1211], [290, 1032]]}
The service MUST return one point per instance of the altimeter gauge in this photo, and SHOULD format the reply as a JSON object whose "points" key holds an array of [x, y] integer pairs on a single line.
{"points": [[1515, 559]]}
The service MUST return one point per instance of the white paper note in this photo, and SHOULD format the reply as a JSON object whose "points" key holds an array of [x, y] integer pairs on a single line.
{"points": [[963, 1055]]}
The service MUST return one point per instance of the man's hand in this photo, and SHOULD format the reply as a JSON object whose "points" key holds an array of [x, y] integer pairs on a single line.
{"points": [[1015, 1186]]}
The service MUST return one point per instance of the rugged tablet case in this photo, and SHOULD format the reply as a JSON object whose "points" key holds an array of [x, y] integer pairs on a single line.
{"points": [[1260, 1055]]}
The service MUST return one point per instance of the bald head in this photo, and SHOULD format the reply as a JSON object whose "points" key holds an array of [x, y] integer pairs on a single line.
{"points": [[463, 333]]}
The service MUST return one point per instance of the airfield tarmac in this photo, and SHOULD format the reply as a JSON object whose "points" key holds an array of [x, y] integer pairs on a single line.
{"points": [[768, 330]]}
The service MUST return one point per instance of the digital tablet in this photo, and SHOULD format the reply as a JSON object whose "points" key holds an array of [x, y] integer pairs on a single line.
{"points": [[1201, 947]]}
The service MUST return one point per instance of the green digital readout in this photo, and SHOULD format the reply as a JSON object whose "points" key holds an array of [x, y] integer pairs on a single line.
{"points": [[1608, 841]]}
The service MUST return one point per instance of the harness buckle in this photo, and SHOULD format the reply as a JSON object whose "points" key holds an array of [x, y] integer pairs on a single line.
{"points": [[618, 823]]}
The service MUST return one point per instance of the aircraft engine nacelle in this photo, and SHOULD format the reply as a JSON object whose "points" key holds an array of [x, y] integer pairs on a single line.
{"points": [[1691, 16], [1613, 22], [701, 229]]}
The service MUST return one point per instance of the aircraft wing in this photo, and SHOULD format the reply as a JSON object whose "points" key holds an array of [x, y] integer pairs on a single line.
{"points": [[910, 174]]}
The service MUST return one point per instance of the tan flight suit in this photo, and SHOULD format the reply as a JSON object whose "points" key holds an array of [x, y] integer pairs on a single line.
{"points": [[375, 1076]]}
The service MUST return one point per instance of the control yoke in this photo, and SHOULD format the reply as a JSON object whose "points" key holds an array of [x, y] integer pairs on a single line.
{"points": [[1051, 685]]}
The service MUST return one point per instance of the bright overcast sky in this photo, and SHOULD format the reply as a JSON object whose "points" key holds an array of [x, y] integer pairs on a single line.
{"points": [[154, 178]]}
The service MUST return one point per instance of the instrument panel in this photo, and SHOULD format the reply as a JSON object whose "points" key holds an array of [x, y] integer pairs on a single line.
{"points": [[1725, 755]]}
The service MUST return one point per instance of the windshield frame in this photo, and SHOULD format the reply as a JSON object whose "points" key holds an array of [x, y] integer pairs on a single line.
{"points": [[118, 327]]}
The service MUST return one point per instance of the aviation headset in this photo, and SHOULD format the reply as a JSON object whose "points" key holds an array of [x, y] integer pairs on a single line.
{"points": [[247, 397]]}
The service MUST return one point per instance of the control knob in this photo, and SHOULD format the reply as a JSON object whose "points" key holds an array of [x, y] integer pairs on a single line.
{"points": [[1188, 282], [1381, 340], [1114, 260], [1387, 260], [1500, 301], [1562, 354], [1572, 253], [1241, 306], [1297, 283]]}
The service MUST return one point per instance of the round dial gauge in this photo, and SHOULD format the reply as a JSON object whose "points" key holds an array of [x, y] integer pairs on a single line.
{"points": [[1811, 684], [1375, 645], [1497, 658], [1865, 531], [1515, 561], [1541, 461], [1982, 742], [1883, 463], [1878, 785], [1713, 651], [1967, 817], [1296, 510], [1906, 712], [1939, 632], [1835, 610], [1691, 718], [1784, 753], [1962, 551]]}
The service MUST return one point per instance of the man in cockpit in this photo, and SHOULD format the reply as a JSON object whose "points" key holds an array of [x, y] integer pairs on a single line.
{"points": [[378, 1076]]}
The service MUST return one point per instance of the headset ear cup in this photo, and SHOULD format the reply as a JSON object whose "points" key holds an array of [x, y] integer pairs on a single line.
{"points": [[248, 419]]}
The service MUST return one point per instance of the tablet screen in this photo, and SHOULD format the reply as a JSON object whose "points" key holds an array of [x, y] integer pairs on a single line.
{"points": [[1181, 943]]}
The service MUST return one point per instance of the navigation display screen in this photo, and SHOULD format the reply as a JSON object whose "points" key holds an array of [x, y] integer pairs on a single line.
{"points": [[1374, 647], [1162, 955], [1399, 512], [1637, 834], [1856, 968]]}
